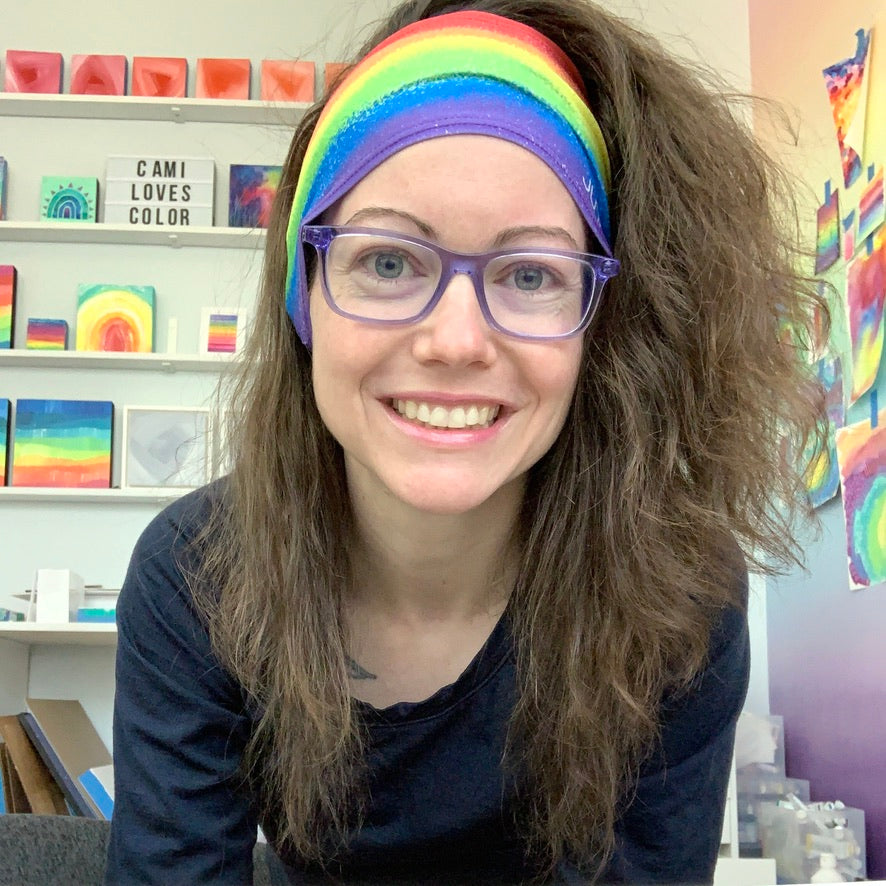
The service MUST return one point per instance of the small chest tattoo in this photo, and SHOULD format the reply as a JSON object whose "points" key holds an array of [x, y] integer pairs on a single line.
{"points": [[356, 672]]}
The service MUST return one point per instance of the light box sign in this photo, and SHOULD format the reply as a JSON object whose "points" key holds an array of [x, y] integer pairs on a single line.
{"points": [[174, 192]]}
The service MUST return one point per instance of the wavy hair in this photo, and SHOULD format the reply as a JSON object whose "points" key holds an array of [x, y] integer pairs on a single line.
{"points": [[672, 449]]}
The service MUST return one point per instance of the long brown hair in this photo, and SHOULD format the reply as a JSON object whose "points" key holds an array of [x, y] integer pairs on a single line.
{"points": [[671, 450]]}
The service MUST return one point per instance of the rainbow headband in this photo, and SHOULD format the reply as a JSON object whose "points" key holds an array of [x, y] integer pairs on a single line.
{"points": [[462, 73]]}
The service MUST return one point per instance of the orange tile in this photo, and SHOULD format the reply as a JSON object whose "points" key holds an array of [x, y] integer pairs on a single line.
{"points": [[223, 78]]}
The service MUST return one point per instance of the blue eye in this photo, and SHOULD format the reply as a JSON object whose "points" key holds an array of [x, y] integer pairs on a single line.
{"points": [[388, 265], [529, 279]]}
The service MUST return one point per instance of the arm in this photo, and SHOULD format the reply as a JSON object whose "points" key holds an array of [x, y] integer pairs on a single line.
{"points": [[180, 726], [671, 831]]}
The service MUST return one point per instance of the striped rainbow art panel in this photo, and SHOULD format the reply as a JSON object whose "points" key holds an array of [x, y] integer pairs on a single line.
{"points": [[865, 297], [871, 206], [62, 443], [112, 317], [862, 454], [822, 474], [7, 305], [4, 439], [222, 330], [46, 335]]}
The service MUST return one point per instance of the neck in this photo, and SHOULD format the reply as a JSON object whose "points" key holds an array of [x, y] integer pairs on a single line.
{"points": [[419, 566]]}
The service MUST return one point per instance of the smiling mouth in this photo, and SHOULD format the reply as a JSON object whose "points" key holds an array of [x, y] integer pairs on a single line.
{"points": [[457, 417]]}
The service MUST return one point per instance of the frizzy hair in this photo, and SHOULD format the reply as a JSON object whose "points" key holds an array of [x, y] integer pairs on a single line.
{"points": [[671, 451]]}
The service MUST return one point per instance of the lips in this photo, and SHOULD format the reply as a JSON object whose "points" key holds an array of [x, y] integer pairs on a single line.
{"points": [[457, 416]]}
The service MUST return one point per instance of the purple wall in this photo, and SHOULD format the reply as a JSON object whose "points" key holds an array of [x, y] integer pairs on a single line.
{"points": [[827, 677]]}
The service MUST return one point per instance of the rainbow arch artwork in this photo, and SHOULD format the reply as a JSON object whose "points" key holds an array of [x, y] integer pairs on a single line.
{"points": [[862, 455], [67, 198], [112, 317], [62, 443]]}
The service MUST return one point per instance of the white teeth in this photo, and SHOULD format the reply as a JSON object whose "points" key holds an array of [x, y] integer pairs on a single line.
{"points": [[440, 417]]}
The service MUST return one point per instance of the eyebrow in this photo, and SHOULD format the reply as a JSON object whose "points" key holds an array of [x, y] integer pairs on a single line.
{"points": [[502, 239]]}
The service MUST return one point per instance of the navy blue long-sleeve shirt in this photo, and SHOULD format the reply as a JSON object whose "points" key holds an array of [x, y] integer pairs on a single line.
{"points": [[441, 804]]}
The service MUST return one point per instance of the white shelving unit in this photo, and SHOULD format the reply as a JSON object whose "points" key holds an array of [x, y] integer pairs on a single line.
{"points": [[93, 531]]}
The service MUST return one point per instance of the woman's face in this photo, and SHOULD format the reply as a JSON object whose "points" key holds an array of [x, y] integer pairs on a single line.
{"points": [[469, 193]]}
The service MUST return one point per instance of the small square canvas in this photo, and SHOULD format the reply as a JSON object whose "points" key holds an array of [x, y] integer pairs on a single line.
{"points": [[4, 174], [166, 447], [7, 306], [46, 334], [62, 443], [68, 198], [111, 317], [159, 77], [5, 406], [223, 78], [332, 71], [222, 330], [287, 81], [33, 71], [98, 75], [251, 195]]}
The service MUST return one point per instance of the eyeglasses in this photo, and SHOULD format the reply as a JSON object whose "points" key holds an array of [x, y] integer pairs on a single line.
{"points": [[388, 278]]}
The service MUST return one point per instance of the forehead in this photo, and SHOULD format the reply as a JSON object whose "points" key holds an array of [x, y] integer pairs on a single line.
{"points": [[469, 179]]}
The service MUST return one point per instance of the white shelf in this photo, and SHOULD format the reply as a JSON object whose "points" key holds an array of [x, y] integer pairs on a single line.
{"points": [[145, 235], [56, 494], [73, 634], [114, 360], [129, 107]]}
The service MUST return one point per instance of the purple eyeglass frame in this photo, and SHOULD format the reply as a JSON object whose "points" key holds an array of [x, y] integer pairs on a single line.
{"points": [[473, 264]]}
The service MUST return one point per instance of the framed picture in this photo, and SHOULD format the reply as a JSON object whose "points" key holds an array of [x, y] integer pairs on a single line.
{"points": [[166, 447], [222, 330]]}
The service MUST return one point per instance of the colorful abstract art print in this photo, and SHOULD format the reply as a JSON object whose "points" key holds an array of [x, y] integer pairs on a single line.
{"points": [[4, 176], [68, 198], [62, 443], [827, 238], [847, 88], [849, 236], [222, 330], [166, 447], [159, 76], [865, 298], [46, 334], [287, 81], [822, 474], [33, 71], [251, 195], [862, 454], [226, 78], [871, 208], [5, 407], [98, 75], [112, 317], [8, 279]]}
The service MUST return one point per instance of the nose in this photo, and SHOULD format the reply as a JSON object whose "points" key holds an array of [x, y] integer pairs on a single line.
{"points": [[456, 332]]}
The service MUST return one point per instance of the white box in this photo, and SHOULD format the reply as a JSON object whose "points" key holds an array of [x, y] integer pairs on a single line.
{"points": [[59, 594]]}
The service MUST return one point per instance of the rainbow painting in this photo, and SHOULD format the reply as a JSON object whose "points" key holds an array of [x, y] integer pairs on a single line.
{"points": [[847, 88], [7, 305], [865, 297], [68, 198], [822, 475], [871, 208], [251, 195], [62, 443], [111, 317], [862, 453], [827, 239], [4, 438], [222, 330], [46, 335]]}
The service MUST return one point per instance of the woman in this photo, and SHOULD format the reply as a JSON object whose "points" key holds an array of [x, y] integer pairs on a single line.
{"points": [[470, 605]]}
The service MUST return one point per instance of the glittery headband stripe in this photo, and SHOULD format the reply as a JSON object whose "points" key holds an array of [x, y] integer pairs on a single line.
{"points": [[466, 72]]}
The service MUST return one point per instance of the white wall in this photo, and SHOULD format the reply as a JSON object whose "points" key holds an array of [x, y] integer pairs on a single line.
{"points": [[715, 33]]}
